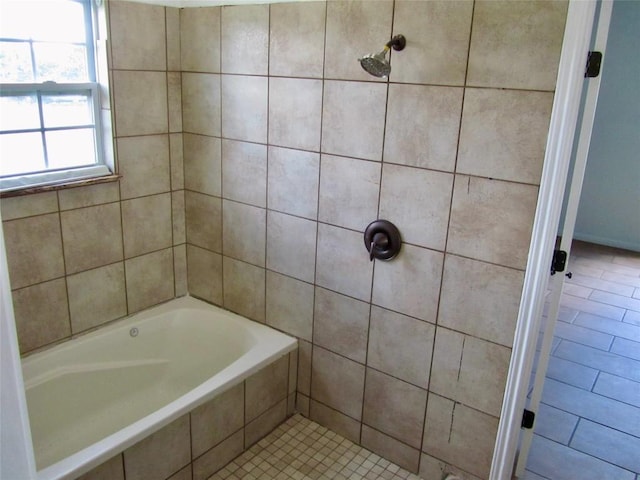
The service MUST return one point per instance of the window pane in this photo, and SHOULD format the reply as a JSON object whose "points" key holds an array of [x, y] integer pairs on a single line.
{"points": [[21, 152], [66, 110], [60, 62], [51, 20], [71, 148], [15, 63], [19, 112]]}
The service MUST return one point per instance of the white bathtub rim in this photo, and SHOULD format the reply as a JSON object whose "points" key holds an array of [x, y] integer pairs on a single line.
{"points": [[81, 462]]}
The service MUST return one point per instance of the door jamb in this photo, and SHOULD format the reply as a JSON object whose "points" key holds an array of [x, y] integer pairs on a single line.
{"points": [[562, 129]]}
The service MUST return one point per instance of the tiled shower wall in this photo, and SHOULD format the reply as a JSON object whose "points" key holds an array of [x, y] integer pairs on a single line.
{"points": [[290, 150], [84, 256]]}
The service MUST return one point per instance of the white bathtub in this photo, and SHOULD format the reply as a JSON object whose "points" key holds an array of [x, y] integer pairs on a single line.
{"points": [[100, 393]]}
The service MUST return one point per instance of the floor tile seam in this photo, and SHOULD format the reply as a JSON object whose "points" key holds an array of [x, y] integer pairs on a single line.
{"points": [[575, 340], [607, 427], [600, 457], [599, 395], [604, 368], [590, 418], [575, 280], [581, 452]]}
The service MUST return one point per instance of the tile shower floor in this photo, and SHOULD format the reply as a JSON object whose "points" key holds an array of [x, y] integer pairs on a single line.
{"points": [[588, 424], [300, 449]]}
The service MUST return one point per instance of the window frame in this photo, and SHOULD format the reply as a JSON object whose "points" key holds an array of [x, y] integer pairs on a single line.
{"points": [[100, 168]]}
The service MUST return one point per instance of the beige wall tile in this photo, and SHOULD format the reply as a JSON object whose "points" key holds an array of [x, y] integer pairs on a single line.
{"points": [[295, 110], [459, 435], [146, 224], [34, 249], [394, 407], [244, 172], [149, 279], [245, 39], [89, 196], [334, 420], [293, 182], [144, 165], [349, 190], [437, 34], [343, 262], [503, 31], [265, 423], [112, 469], [304, 367], [200, 39], [244, 289], [204, 221], [431, 467], [302, 406], [203, 164], [504, 133], [353, 118], [244, 108], [173, 38], [177, 160], [29, 205], [469, 370], [216, 420], [468, 301], [244, 232], [400, 346], [417, 202], [140, 100], [297, 39], [201, 103], [491, 220], [293, 372], [180, 270], [204, 274], [178, 217], [96, 296], [390, 448], [174, 101], [92, 237], [138, 40], [355, 29], [422, 125], [291, 245], [218, 457], [266, 388], [341, 324], [41, 314], [184, 474], [410, 283], [337, 382], [161, 454]]}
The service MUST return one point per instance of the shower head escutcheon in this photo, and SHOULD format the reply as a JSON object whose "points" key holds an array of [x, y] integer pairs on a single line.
{"points": [[377, 64]]}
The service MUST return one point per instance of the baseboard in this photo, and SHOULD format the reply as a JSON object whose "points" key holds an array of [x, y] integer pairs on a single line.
{"points": [[609, 242]]}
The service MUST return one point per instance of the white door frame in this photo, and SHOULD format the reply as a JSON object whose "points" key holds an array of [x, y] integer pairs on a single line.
{"points": [[16, 449], [592, 88], [562, 128]]}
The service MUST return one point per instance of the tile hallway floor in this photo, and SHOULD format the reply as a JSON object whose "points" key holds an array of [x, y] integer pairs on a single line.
{"points": [[588, 424], [300, 449]]}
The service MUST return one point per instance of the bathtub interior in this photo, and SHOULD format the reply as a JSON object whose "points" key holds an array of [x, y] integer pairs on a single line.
{"points": [[90, 390]]}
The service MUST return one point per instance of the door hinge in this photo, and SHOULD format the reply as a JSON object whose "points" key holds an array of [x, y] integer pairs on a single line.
{"points": [[528, 417], [559, 261], [594, 61]]}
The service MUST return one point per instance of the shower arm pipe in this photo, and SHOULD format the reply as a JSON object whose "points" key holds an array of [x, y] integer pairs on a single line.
{"points": [[398, 42]]}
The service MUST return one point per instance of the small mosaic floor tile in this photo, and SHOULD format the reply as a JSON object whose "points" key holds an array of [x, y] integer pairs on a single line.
{"points": [[300, 449]]}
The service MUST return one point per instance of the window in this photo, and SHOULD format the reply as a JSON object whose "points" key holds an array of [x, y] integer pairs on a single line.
{"points": [[50, 128]]}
